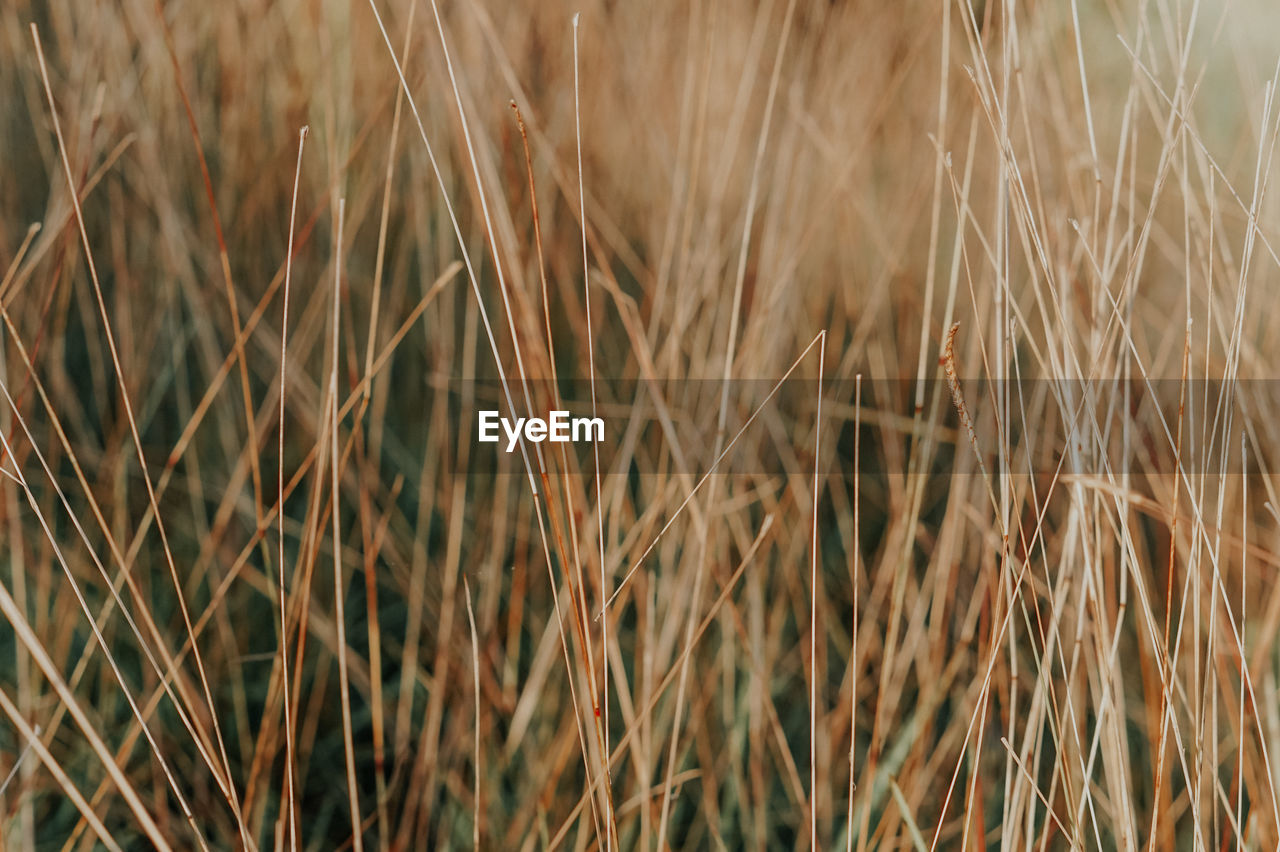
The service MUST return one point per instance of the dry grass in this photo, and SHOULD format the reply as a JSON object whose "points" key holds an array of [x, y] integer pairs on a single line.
{"points": [[936, 346]]}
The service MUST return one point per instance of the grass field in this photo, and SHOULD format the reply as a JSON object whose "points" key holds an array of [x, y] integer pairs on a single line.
{"points": [[936, 348]]}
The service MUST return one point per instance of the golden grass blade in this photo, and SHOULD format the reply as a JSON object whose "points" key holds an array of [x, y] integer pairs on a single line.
{"points": [[602, 725], [339, 583], [475, 672], [32, 736], [32, 643], [290, 804], [710, 470]]}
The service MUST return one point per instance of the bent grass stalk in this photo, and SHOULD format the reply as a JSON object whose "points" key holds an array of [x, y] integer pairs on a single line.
{"points": [[290, 804]]}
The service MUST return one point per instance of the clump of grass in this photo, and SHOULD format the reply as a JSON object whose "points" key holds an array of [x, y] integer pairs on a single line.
{"points": [[840, 577]]}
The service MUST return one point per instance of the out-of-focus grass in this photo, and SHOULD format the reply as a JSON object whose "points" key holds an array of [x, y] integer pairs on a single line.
{"points": [[1071, 644]]}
